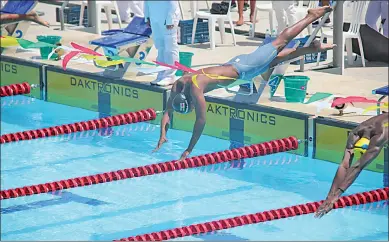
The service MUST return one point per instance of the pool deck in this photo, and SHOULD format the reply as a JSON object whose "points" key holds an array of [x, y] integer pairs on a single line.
{"points": [[357, 81], [229, 116]]}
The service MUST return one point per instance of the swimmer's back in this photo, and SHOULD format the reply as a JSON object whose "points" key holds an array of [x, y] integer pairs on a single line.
{"points": [[372, 126]]}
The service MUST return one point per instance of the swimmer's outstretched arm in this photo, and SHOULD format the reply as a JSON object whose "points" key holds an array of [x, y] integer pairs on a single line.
{"points": [[374, 149], [167, 115], [347, 174], [200, 108]]}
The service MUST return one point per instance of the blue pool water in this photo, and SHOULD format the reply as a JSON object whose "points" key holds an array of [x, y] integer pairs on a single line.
{"points": [[148, 204]]}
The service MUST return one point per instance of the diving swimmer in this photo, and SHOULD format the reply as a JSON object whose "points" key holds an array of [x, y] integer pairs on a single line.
{"points": [[368, 139], [186, 94]]}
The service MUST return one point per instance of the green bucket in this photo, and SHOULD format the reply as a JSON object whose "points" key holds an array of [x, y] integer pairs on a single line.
{"points": [[50, 39], [186, 60], [295, 88]]}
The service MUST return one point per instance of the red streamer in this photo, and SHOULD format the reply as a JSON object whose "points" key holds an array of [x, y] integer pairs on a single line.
{"points": [[351, 99], [275, 146], [15, 89], [346, 201], [121, 119]]}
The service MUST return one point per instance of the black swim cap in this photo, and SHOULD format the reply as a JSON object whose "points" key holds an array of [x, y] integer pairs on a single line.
{"points": [[181, 104]]}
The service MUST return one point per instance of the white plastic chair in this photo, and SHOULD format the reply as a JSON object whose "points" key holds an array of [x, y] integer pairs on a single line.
{"points": [[264, 6], [353, 33], [194, 7], [107, 5], [212, 18]]}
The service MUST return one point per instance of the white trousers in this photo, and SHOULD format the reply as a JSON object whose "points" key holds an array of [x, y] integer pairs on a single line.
{"points": [[285, 14], [128, 7], [374, 11], [166, 42]]}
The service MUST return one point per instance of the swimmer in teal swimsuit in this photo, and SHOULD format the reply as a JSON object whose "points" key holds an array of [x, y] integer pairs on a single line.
{"points": [[187, 92], [367, 139]]}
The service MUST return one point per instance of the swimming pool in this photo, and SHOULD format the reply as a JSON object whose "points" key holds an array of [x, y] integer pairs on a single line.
{"points": [[148, 204]]}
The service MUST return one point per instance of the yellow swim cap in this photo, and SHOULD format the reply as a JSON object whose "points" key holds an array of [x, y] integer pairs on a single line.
{"points": [[362, 145]]}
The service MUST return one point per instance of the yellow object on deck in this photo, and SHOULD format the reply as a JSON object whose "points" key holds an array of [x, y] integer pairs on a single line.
{"points": [[8, 41]]}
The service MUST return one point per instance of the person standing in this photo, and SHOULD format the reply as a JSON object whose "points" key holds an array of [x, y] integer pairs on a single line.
{"points": [[285, 14], [128, 7], [241, 5], [374, 11], [163, 17]]}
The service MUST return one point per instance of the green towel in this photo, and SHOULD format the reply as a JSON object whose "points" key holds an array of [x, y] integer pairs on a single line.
{"points": [[238, 82], [26, 44], [318, 96]]}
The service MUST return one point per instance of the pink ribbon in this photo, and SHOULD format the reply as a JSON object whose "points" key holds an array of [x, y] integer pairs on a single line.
{"points": [[356, 99]]}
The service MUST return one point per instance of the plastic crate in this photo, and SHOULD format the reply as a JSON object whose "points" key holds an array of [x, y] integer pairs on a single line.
{"points": [[72, 15], [185, 32]]}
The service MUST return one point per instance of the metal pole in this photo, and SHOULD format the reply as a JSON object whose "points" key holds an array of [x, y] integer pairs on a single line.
{"points": [[61, 14], [94, 18], [338, 56], [314, 33]]}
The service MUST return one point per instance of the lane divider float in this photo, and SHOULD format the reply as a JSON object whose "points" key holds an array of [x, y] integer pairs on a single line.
{"points": [[16, 89], [345, 201], [121, 119], [266, 148]]}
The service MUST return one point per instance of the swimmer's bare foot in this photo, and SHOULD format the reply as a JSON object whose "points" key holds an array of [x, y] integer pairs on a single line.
{"points": [[33, 16], [322, 46], [319, 12]]}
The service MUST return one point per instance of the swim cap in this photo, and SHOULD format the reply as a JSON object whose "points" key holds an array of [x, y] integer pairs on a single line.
{"points": [[362, 145], [181, 104]]}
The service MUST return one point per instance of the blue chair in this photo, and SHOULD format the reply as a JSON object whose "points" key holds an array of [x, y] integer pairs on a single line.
{"points": [[18, 7], [384, 92], [136, 33], [135, 41]]}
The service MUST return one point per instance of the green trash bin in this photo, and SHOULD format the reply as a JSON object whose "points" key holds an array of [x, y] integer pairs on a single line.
{"points": [[50, 39], [186, 60], [295, 88]]}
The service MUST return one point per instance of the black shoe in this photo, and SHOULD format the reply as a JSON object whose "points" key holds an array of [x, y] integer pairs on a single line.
{"points": [[233, 5]]}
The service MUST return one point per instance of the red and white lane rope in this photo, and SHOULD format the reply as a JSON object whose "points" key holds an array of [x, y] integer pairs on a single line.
{"points": [[121, 119], [16, 89], [119, 132], [266, 148], [346, 201]]}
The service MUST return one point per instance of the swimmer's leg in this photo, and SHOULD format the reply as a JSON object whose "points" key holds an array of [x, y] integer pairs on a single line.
{"points": [[14, 18], [290, 53], [291, 32]]}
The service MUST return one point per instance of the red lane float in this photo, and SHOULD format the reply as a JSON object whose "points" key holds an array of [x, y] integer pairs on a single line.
{"points": [[266, 148], [15, 89], [121, 119], [354, 199]]}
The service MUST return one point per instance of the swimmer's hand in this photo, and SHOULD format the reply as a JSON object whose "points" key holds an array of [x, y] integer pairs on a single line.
{"points": [[184, 155], [161, 141], [326, 206]]}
